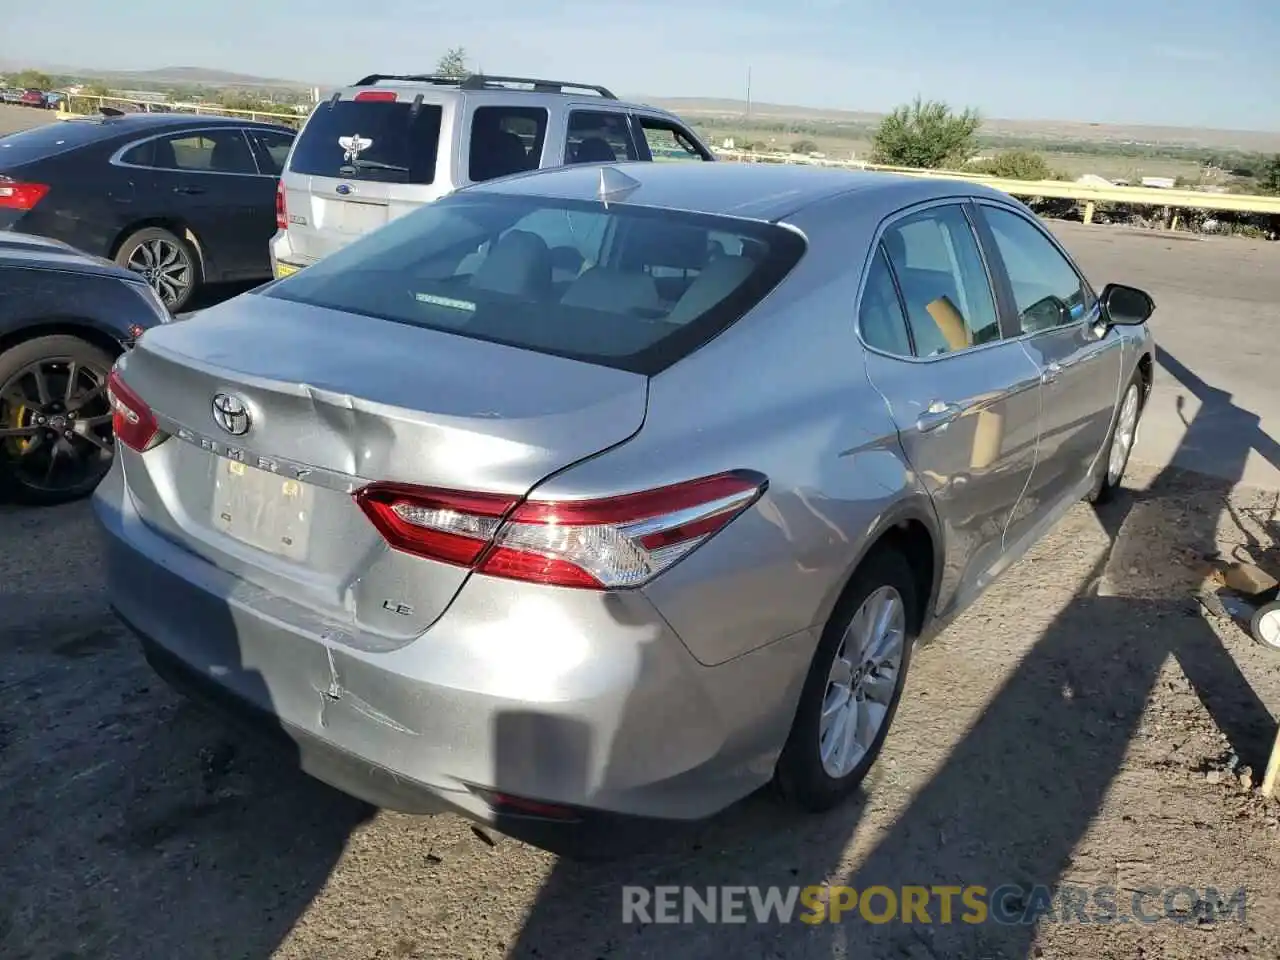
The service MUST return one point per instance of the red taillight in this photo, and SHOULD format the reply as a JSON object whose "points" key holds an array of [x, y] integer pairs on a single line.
{"points": [[378, 96], [132, 420], [282, 209], [604, 544], [20, 196]]}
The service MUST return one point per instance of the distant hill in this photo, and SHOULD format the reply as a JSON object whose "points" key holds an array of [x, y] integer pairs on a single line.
{"points": [[1048, 130], [196, 76]]}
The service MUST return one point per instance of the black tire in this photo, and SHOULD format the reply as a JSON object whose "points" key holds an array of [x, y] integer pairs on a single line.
{"points": [[148, 251], [800, 776], [1262, 625], [78, 462], [1105, 485]]}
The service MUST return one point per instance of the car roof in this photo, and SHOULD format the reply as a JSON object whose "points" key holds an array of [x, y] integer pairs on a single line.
{"points": [[483, 87], [757, 191], [127, 123]]}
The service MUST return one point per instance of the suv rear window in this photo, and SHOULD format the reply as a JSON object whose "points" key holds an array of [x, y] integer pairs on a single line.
{"points": [[621, 286], [396, 143]]}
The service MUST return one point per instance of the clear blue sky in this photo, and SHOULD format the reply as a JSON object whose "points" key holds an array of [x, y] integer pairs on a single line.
{"points": [[1151, 61]]}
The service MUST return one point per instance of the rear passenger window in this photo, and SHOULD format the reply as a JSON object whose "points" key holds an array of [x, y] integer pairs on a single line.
{"points": [[272, 148], [212, 151], [944, 283], [667, 141], [597, 136], [880, 314], [505, 140]]}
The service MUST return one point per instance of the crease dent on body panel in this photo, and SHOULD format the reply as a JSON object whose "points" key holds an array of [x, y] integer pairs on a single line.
{"points": [[334, 693], [1035, 454]]}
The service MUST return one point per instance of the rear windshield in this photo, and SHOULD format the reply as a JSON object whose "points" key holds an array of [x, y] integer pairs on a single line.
{"points": [[50, 139], [620, 286], [386, 141]]}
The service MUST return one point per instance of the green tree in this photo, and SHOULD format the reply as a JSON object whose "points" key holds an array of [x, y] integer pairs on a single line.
{"points": [[926, 134], [1269, 175], [453, 63], [31, 78], [804, 146], [1016, 165]]}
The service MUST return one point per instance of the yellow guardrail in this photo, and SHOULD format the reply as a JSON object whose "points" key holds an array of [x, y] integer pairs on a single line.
{"points": [[1087, 193], [83, 105]]}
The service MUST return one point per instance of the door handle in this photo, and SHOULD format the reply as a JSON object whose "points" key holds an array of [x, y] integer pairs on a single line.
{"points": [[188, 190], [937, 415], [1051, 373]]}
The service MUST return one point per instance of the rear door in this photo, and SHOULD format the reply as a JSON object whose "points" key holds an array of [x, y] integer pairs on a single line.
{"points": [[360, 161], [208, 178], [1056, 319], [965, 399]]}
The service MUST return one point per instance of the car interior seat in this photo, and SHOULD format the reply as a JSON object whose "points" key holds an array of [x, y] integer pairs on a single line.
{"points": [[594, 150], [613, 291], [519, 265]]}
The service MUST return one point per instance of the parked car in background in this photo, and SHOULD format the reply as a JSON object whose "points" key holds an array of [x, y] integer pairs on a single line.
{"points": [[577, 550], [181, 200], [10, 95], [31, 97], [388, 144], [64, 319]]}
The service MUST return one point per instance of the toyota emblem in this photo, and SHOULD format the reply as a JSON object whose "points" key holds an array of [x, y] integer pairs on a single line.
{"points": [[231, 414]]}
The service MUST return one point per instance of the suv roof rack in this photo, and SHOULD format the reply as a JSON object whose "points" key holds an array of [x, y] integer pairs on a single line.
{"points": [[486, 82], [414, 77]]}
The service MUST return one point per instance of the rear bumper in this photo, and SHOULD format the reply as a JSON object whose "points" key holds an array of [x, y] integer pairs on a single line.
{"points": [[585, 701], [284, 260]]}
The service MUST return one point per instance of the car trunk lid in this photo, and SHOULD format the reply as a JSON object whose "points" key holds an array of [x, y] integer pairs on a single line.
{"points": [[332, 401]]}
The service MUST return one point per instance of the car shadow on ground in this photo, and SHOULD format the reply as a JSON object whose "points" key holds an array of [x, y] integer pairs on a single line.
{"points": [[202, 842], [1008, 806]]}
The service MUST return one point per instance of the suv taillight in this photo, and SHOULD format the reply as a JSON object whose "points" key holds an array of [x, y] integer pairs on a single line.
{"points": [[604, 544], [282, 209], [20, 196], [131, 419]]}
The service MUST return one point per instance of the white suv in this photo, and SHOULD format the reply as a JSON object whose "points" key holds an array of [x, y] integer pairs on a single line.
{"points": [[385, 146]]}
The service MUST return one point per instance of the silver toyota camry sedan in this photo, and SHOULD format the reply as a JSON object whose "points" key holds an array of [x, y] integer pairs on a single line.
{"points": [[594, 499]]}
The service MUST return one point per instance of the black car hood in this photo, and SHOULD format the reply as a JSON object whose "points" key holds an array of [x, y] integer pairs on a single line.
{"points": [[42, 253]]}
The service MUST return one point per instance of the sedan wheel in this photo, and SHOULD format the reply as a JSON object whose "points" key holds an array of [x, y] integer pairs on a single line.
{"points": [[1126, 431], [853, 687], [1115, 458], [55, 421], [164, 261], [863, 678]]}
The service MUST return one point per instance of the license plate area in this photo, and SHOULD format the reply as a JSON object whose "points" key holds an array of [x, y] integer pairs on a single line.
{"points": [[262, 509]]}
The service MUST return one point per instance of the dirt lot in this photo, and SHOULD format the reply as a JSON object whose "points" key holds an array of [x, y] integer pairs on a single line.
{"points": [[1084, 724], [14, 118]]}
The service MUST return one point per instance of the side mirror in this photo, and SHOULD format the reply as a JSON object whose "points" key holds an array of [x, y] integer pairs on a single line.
{"points": [[1124, 306]]}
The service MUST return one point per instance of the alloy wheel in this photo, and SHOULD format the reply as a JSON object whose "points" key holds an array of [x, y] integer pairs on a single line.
{"points": [[1122, 441], [861, 683], [55, 424], [164, 265]]}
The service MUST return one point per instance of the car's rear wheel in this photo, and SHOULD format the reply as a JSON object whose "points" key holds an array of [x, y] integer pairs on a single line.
{"points": [[854, 684], [1124, 433], [165, 261], [55, 422]]}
